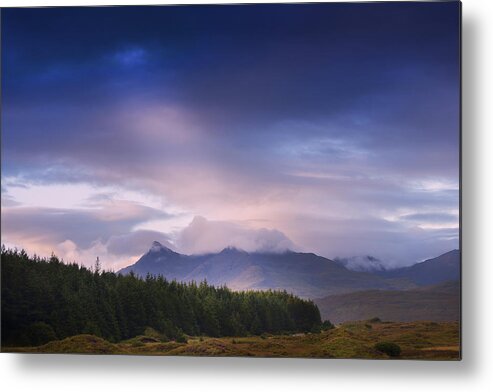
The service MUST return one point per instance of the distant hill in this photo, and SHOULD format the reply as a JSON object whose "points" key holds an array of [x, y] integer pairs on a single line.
{"points": [[304, 274], [432, 271], [431, 303]]}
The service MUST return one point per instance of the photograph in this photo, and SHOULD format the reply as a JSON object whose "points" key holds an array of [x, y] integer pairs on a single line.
{"points": [[277, 180]]}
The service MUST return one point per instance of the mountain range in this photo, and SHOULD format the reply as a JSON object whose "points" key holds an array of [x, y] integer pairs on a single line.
{"points": [[304, 274]]}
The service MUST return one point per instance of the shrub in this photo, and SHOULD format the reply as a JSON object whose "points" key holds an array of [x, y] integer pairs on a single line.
{"points": [[164, 338], [148, 331], [391, 349], [264, 336], [375, 320], [181, 338], [326, 325], [152, 333]]}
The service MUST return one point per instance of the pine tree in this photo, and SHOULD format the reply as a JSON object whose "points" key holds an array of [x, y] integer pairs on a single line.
{"points": [[97, 266]]}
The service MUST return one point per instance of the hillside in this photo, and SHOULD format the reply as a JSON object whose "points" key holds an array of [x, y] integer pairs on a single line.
{"points": [[304, 274], [440, 269], [432, 303], [418, 340]]}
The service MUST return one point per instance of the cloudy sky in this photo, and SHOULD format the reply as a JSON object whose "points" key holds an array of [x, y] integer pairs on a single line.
{"points": [[327, 128]]}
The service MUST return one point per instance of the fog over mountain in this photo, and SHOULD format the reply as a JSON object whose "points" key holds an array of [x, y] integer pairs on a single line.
{"points": [[206, 236], [361, 263]]}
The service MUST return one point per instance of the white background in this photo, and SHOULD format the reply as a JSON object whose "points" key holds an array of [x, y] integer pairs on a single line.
{"points": [[473, 373]]}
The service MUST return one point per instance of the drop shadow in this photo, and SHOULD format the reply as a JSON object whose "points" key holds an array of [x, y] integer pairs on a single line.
{"points": [[32, 364]]}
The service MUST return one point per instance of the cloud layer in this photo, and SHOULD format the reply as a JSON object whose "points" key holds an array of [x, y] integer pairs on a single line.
{"points": [[203, 236], [330, 126]]}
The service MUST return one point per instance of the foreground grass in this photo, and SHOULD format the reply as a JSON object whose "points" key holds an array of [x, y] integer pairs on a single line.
{"points": [[418, 340]]}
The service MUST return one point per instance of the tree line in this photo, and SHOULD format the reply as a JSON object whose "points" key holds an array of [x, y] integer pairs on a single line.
{"points": [[47, 299]]}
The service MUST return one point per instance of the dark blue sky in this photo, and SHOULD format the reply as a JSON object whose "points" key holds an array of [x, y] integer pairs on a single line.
{"points": [[333, 126]]}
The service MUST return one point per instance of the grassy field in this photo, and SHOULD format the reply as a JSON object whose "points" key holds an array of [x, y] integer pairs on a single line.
{"points": [[433, 303], [417, 340]]}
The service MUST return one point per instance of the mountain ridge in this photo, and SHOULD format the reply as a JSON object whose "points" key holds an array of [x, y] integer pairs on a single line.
{"points": [[445, 267], [305, 274]]}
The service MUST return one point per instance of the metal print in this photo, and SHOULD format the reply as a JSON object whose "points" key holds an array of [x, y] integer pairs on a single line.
{"points": [[275, 180]]}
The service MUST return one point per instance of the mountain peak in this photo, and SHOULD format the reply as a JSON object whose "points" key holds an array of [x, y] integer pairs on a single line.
{"points": [[232, 249], [158, 247]]}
